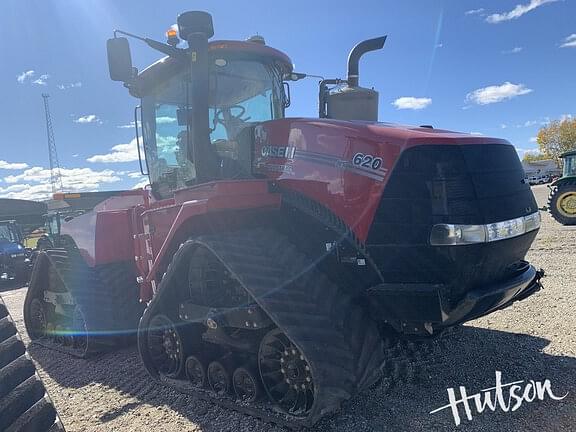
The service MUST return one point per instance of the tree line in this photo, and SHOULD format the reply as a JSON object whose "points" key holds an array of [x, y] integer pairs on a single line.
{"points": [[557, 137]]}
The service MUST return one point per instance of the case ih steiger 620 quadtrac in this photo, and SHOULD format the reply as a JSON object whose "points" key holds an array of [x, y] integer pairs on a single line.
{"points": [[280, 258]]}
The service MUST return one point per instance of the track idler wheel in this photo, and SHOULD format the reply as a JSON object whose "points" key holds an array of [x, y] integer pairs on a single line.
{"points": [[219, 378], [195, 372], [286, 374], [38, 319], [246, 384], [165, 346]]}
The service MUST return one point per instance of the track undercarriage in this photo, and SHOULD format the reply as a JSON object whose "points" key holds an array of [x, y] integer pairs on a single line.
{"points": [[79, 310], [246, 320]]}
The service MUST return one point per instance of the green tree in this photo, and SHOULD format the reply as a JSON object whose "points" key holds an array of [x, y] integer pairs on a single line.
{"points": [[558, 137]]}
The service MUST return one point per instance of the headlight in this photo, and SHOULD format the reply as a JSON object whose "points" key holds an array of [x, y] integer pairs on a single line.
{"points": [[532, 222], [452, 234]]}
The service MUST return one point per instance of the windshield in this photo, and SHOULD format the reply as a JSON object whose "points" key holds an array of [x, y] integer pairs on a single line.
{"points": [[6, 233], [569, 166], [242, 92]]}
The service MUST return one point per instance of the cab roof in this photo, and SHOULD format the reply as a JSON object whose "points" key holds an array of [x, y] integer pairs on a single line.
{"points": [[169, 66]]}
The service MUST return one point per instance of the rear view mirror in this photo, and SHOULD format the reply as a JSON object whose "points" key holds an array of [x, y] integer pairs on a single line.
{"points": [[119, 59]]}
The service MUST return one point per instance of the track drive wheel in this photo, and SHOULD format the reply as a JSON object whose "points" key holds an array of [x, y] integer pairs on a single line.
{"points": [[286, 374], [562, 204], [165, 346]]}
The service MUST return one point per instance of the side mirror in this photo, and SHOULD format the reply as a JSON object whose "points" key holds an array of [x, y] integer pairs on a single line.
{"points": [[119, 59], [294, 76]]}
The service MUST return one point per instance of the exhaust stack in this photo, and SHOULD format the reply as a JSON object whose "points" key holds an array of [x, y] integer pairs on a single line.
{"points": [[353, 102], [196, 28], [358, 51]]}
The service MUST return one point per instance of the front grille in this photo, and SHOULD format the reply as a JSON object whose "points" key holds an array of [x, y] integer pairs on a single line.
{"points": [[459, 184]]}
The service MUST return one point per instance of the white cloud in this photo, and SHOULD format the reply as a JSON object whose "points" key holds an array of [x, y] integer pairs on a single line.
{"points": [[119, 153], [12, 166], [497, 93], [43, 80], [514, 50], [530, 123], [69, 86], [129, 152], [129, 125], [25, 76], [517, 12], [533, 139], [34, 183], [90, 118], [569, 42], [476, 133], [565, 117], [412, 103], [141, 184], [474, 11], [165, 120]]}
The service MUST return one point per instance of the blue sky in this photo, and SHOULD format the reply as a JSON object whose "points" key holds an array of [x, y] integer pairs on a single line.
{"points": [[500, 68]]}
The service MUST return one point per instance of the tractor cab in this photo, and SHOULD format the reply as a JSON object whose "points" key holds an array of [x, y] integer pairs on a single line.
{"points": [[569, 159], [198, 104], [245, 88]]}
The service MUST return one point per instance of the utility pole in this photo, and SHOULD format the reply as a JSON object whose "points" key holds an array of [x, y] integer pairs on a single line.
{"points": [[55, 174]]}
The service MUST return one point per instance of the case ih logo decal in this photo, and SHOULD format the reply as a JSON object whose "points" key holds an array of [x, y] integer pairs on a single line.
{"points": [[278, 151]]}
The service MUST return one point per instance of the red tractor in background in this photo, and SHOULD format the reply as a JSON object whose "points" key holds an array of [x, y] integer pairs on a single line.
{"points": [[279, 258]]}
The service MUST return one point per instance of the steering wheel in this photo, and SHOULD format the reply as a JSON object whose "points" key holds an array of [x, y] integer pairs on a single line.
{"points": [[224, 115]]}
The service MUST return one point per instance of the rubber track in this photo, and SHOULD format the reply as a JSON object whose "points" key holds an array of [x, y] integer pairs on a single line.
{"points": [[24, 403], [107, 296], [342, 346]]}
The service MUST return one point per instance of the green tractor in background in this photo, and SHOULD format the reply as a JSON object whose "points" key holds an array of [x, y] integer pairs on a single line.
{"points": [[562, 199]]}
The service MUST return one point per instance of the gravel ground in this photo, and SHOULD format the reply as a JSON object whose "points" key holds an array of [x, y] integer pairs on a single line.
{"points": [[535, 339]]}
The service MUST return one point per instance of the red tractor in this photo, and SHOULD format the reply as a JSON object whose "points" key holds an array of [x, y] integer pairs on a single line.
{"points": [[279, 258]]}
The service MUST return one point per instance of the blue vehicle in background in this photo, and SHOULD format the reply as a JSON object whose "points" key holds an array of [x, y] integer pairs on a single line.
{"points": [[14, 257]]}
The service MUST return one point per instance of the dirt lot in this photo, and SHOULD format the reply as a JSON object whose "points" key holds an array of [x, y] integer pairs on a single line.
{"points": [[534, 339]]}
